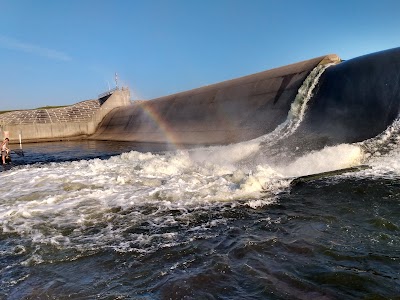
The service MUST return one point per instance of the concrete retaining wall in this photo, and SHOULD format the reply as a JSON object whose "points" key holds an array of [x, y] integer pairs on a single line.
{"points": [[78, 112], [71, 122], [226, 112]]}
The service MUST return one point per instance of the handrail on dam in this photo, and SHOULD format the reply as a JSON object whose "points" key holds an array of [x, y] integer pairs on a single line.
{"points": [[107, 93]]}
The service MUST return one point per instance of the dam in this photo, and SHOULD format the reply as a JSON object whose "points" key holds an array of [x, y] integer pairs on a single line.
{"points": [[305, 205], [226, 112], [351, 101]]}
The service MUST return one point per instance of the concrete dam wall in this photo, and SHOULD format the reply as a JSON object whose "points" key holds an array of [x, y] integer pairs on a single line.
{"points": [[70, 122], [221, 113]]}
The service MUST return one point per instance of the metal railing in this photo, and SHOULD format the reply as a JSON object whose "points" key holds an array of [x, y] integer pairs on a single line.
{"points": [[109, 92]]}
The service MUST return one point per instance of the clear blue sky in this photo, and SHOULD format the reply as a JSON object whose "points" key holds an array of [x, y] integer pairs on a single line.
{"points": [[62, 52]]}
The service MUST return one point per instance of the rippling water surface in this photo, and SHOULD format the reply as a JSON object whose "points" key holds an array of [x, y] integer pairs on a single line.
{"points": [[102, 220]]}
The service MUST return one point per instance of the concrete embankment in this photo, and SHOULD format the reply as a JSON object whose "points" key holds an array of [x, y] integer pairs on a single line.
{"points": [[71, 122], [225, 112]]}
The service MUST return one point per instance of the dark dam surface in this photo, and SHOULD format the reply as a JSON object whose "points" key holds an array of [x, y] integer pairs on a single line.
{"points": [[356, 99]]}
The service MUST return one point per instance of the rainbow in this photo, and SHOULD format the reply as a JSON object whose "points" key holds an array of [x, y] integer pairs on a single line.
{"points": [[168, 132]]}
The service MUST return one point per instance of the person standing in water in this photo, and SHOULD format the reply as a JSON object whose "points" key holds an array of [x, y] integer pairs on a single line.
{"points": [[4, 150]]}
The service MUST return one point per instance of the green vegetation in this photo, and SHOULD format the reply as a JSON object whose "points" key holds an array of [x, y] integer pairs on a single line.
{"points": [[4, 111]]}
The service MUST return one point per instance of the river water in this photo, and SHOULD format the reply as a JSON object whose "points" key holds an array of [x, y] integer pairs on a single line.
{"points": [[114, 220]]}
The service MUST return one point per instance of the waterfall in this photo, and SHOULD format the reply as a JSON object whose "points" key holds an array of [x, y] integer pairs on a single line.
{"points": [[298, 108]]}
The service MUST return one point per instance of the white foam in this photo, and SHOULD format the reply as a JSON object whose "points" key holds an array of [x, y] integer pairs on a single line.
{"points": [[327, 159], [38, 201]]}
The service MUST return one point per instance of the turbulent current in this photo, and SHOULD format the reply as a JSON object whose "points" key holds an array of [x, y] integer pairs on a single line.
{"points": [[191, 225], [100, 220]]}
